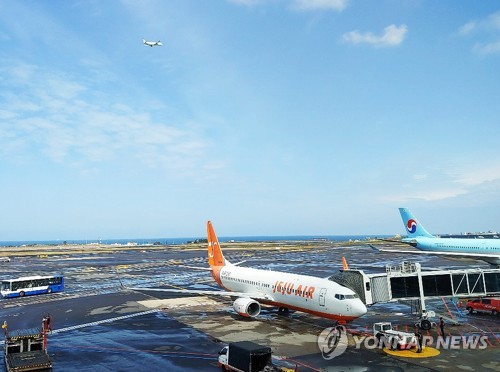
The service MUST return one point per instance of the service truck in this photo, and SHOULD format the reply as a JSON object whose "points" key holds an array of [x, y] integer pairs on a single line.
{"points": [[393, 339], [246, 356], [486, 305]]}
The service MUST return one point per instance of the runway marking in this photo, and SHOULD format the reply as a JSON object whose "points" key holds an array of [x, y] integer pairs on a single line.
{"points": [[97, 322], [103, 321]]}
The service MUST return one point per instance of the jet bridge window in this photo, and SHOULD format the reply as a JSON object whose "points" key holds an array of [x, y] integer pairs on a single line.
{"points": [[492, 282], [437, 285], [460, 283], [476, 283], [403, 287]]}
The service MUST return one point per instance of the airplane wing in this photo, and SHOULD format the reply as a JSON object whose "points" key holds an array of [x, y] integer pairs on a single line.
{"points": [[256, 295], [196, 267], [208, 268], [389, 240], [475, 256]]}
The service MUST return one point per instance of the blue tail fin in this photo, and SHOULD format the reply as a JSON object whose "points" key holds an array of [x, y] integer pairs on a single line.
{"points": [[412, 226]]}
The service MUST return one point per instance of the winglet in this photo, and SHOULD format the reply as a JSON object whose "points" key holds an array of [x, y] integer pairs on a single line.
{"points": [[344, 264], [215, 256]]}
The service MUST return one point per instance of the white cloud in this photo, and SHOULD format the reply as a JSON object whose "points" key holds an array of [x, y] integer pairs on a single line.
{"points": [[488, 48], [392, 36], [494, 20], [301, 5], [471, 181], [488, 30], [477, 177], [490, 23], [245, 2], [419, 177], [62, 118], [337, 5], [23, 72], [468, 28], [430, 195], [440, 194]]}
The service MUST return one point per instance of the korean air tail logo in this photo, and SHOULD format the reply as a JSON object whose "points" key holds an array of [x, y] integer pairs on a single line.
{"points": [[411, 226]]}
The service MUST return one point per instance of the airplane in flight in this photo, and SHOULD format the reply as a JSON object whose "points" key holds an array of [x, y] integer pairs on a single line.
{"points": [[152, 43], [487, 250], [253, 287]]}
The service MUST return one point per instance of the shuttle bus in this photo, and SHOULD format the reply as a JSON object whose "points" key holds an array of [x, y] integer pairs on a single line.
{"points": [[31, 285]]}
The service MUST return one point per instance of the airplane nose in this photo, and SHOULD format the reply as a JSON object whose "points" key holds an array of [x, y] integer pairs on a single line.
{"points": [[358, 308]]}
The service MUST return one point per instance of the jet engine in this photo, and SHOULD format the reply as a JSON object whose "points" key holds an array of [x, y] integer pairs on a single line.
{"points": [[246, 307]]}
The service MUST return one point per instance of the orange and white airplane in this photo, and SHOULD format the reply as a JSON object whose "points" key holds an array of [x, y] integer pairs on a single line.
{"points": [[251, 287]]}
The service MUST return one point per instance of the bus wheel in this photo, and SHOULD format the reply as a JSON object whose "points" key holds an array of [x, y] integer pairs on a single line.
{"points": [[49, 290], [21, 294]]}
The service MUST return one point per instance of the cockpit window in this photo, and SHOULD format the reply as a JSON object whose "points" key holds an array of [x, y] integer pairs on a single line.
{"points": [[351, 296], [346, 297]]}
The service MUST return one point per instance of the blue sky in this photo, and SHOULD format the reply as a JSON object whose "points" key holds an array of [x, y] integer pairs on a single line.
{"points": [[277, 117]]}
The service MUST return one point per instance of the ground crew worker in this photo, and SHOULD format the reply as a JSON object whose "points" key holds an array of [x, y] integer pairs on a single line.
{"points": [[420, 338]]}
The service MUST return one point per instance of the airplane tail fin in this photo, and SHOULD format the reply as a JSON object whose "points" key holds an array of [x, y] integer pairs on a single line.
{"points": [[215, 256], [412, 226]]}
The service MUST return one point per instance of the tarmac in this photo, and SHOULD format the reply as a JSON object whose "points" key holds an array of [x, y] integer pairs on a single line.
{"points": [[99, 325]]}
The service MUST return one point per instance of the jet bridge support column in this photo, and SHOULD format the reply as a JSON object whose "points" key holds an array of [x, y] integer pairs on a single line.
{"points": [[423, 322]]}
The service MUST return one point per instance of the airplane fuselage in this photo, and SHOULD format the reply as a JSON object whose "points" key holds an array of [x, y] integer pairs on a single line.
{"points": [[457, 245], [304, 293]]}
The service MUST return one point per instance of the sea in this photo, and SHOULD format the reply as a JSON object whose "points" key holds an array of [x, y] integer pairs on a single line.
{"points": [[223, 239]]}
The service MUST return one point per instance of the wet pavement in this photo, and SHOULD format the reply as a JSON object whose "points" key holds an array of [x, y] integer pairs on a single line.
{"points": [[100, 326]]}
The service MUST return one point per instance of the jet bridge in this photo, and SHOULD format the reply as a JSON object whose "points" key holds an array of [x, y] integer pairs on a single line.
{"points": [[408, 282]]}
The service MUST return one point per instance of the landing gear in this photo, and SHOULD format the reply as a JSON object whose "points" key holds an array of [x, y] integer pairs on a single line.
{"points": [[424, 323]]}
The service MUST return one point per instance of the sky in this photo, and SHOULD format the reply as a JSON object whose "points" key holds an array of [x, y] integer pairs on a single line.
{"points": [[267, 117]]}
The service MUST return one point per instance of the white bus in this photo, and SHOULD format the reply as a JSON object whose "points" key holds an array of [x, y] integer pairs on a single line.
{"points": [[31, 285]]}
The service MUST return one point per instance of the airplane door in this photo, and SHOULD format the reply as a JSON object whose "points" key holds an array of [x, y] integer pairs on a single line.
{"points": [[322, 295]]}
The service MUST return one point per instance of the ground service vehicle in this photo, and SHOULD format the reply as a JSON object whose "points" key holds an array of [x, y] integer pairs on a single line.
{"points": [[26, 350], [393, 339], [246, 356], [487, 305], [31, 285]]}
